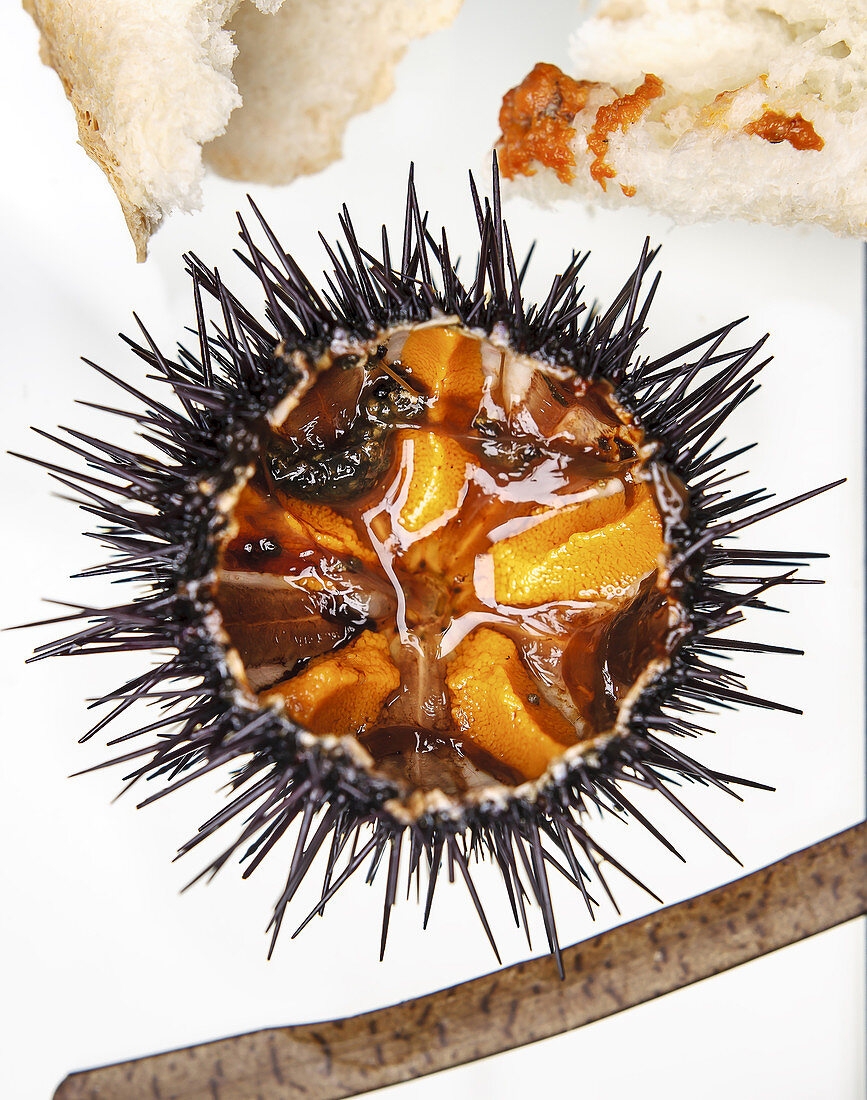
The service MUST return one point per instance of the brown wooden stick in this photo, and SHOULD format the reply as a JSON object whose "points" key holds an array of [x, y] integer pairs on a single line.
{"points": [[807, 892]]}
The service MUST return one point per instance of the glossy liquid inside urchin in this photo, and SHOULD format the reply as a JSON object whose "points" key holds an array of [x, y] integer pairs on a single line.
{"points": [[455, 554]]}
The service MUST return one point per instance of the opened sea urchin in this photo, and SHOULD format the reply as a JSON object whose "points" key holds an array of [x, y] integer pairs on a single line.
{"points": [[432, 570]]}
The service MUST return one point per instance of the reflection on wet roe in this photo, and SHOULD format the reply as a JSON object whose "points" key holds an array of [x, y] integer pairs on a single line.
{"points": [[451, 552]]}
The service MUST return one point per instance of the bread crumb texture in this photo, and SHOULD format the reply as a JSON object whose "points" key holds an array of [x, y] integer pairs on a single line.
{"points": [[760, 112], [152, 82]]}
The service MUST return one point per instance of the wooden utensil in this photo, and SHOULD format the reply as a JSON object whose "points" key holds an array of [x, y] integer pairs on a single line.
{"points": [[805, 893]]}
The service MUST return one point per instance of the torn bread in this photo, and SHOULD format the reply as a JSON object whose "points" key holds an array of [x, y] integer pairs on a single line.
{"points": [[153, 83], [703, 109], [303, 73]]}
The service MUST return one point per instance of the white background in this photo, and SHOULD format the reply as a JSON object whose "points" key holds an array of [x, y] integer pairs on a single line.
{"points": [[103, 960]]}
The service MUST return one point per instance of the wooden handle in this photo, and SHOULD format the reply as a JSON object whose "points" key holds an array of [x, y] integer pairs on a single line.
{"points": [[805, 893]]}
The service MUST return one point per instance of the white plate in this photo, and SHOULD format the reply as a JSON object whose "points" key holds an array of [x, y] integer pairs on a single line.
{"points": [[103, 959]]}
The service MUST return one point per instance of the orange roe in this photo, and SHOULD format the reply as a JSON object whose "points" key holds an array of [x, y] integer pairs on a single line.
{"points": [[536, 123], [624, 112], [775, 127]]}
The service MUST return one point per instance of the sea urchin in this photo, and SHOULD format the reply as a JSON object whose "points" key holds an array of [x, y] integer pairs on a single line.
{"points": [[432, 569]]}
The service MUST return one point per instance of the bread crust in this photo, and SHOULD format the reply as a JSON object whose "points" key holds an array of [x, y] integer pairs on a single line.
{"points": [[52, 36]]}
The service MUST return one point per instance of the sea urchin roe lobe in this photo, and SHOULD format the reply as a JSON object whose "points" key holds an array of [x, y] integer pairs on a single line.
{"points": [[564, 559], [488, 594], [343, 692], [436, 468], [447, 366], [495, 702], [624, 112], [536, 123], [775, 127]]}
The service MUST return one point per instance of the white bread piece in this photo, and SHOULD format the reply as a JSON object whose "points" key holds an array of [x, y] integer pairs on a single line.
{"points": [[306, 71], [688, 155], [151, 82]]}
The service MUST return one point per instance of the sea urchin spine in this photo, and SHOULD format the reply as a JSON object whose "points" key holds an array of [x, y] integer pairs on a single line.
{"points": [[285, 433]]}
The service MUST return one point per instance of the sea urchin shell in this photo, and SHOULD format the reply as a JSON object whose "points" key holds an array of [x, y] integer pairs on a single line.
{"points": [[436, 570]]}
